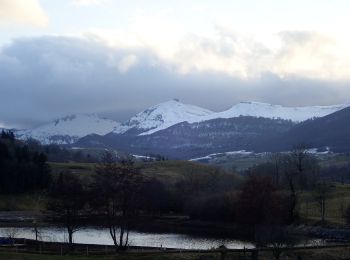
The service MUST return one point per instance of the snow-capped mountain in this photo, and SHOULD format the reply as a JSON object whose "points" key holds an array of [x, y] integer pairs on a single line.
{"points": [[162, 116], [167, 114], [69, 129], [295, 114]]}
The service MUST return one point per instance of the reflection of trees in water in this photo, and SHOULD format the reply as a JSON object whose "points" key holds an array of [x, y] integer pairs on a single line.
{"points": [[11, 232], [100, 236]]}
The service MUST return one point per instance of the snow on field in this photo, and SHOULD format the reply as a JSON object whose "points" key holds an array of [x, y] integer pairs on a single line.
{"points": [[213, 155]]}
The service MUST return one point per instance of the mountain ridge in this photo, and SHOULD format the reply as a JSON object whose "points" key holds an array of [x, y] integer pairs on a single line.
{"points": [[157, 118]]}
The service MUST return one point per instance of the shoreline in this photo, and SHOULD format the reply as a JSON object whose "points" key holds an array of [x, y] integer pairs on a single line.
{"points": [[171, 224], [31, 243]]}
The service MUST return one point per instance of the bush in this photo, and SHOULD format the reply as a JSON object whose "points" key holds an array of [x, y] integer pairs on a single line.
{"points": [[260, 202], [218, 207]]}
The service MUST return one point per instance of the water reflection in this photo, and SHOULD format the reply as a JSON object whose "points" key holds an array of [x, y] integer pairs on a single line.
{"points": [[101, 236]]}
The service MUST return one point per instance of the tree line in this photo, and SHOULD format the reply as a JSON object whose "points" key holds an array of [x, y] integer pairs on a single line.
{"points": [[21, 169]]}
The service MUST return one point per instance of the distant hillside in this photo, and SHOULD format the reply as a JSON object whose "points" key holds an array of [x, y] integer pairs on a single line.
{"points": [[186, 141], [331, 131]]}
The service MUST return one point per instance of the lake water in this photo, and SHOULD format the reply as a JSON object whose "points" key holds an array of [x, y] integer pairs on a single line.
{"points": [[102, 236]]}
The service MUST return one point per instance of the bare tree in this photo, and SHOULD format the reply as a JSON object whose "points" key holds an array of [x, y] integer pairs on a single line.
{"points": [[36, 230], [277, 160], [301, 172], [11, 233], [115, 187], [67, 199], [277, 237], [298, 155], [321, 194], [294, 172], [347, 215]]}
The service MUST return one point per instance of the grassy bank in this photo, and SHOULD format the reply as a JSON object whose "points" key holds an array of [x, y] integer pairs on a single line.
{"points": [[128, 256], [340, 253], [23, 202]]}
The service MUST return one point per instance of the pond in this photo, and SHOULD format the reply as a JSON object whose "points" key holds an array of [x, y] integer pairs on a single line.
{"points": [[94, 235], [101, 236]]}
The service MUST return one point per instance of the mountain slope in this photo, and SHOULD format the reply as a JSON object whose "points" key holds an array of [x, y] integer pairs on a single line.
{"points": [[69, 129], [187, 140], [330, 131]]}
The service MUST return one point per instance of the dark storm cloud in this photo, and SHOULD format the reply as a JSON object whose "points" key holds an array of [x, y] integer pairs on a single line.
{"points": [[47, 77]]}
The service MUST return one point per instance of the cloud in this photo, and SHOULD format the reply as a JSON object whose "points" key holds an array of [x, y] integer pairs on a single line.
{"points": [[127, 62], [47, 77], [87, 2], [22, 12], [299, 53], [306, 54], [309, 53]]}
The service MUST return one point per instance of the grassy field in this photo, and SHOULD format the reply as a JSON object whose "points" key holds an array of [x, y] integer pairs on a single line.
{"points": [[172, 171], [333, 159], [243, 162], [167, 171], [338, 200], [83, 169], [22, 202]]}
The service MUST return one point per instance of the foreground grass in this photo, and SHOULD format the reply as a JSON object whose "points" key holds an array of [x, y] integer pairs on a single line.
{"points": [[341, 253], [127, 256]]}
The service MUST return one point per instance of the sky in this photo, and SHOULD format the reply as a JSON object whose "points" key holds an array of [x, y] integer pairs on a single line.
{"points": [[116, 58]]}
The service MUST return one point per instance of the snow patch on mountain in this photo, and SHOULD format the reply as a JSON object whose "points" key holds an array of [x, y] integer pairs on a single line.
{"points": [[162, 116], [69, 129], [172, 112], [296, 114]]}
